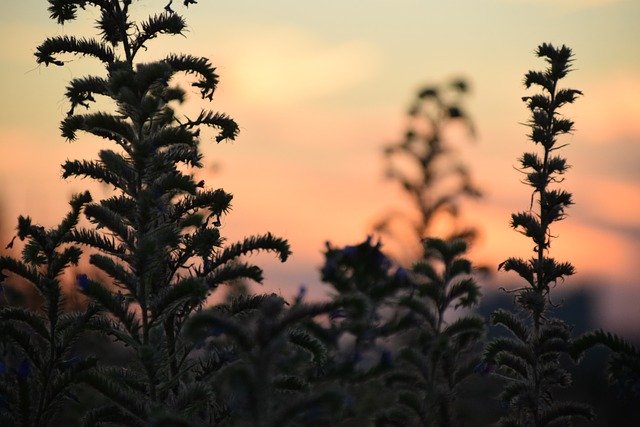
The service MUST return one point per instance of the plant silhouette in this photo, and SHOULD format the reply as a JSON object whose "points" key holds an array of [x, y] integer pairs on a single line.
{"points": [[402, 341], [530, 360], [437, 354], [40, 370], [429, 170], [158, 237], [394, 345]]}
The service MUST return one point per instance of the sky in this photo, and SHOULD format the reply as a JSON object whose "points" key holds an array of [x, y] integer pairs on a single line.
{"points": [[318, 89]]}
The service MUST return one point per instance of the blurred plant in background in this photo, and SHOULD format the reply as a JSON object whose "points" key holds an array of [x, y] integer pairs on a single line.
{"points": [[429, 169]]}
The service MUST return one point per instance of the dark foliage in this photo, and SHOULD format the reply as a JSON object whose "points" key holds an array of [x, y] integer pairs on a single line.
{"points": [[392, 346], [530, 359], [157, 238], [39, 367], [402, 341]]}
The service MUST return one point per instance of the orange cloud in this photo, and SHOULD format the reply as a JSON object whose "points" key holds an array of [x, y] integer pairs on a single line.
{"points": [[609, 110], [284, 65], [30, 175], [609, 201], [596, 253]]}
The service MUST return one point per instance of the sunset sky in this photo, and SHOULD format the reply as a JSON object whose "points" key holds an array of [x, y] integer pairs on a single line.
{"points": [[319, 87]]}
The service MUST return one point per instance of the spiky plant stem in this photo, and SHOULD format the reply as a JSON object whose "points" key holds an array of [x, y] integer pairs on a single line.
{"points": [[531, 360], [42, 338], [163, 249]]}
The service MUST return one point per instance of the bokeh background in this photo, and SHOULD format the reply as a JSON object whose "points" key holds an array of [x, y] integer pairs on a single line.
{"points": [[318, 88]]}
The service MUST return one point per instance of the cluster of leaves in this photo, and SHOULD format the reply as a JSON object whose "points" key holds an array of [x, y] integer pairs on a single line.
{"points": [[39, 368], [363, 273], [157, 238], [428, 168], [624, 362], [437, 355], [404, 341], [273, 361]]}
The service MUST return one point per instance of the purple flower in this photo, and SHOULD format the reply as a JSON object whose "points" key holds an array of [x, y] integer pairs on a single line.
{"points": [[302, 291], [386, 359], [338, 313], [381, 260], [485, 368], [24, 370], [356, 357], [71, 362], [217, 330], [350, 251], [3, 367], [402, 276], [329, 270], [83, 281]]}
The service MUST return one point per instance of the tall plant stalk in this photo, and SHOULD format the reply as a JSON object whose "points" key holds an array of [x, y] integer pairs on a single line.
{"points": [[531, 361], [39, 369], [429, 170], [437, 354], [158, 237]]}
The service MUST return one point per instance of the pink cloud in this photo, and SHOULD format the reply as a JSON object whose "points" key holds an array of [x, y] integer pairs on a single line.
{"points": [[609, 110]]}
